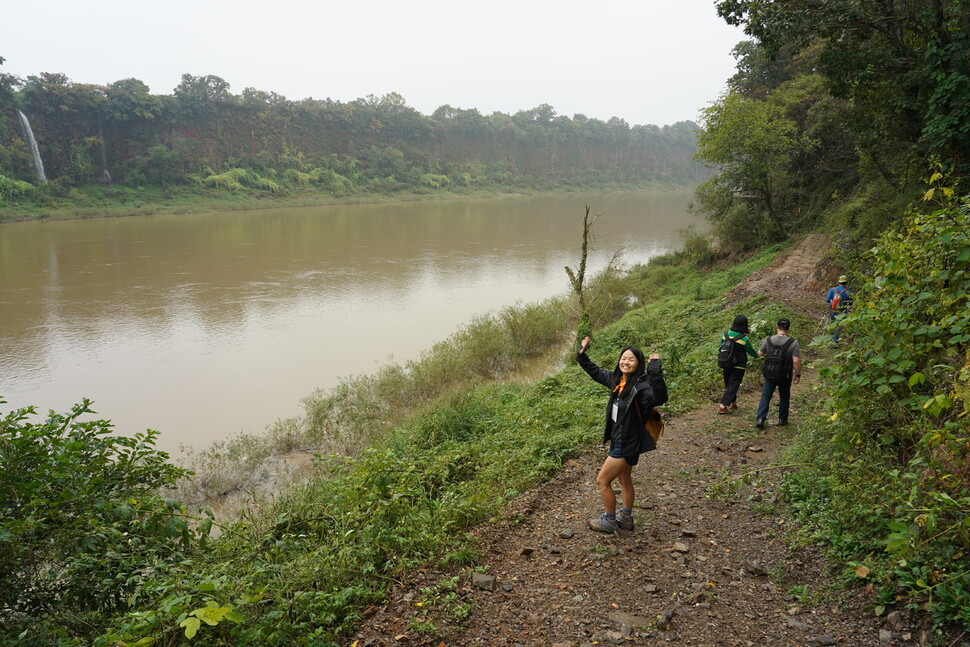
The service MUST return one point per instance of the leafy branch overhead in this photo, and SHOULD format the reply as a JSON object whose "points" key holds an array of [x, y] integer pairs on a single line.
{"points": [[577, 278]]}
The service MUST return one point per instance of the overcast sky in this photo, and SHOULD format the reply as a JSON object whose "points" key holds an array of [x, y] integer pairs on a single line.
{"points": [[646, 61]]}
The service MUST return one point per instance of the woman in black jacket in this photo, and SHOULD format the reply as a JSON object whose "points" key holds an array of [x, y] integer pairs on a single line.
{"points": [[635, 387]]}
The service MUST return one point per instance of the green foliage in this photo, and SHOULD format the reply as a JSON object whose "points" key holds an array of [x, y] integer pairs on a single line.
{"points": [[782, 155], [11, 189], [752, 144], [82, 523], [293, 177], [888, 482], [698, 247], [238, 179], [161, 166], [912, 330], [902, 66]]}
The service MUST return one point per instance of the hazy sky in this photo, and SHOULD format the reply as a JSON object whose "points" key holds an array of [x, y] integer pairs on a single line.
{"points": [[646, 61]]}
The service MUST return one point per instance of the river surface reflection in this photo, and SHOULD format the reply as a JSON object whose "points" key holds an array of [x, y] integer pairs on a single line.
{"points": [[205, 325]]}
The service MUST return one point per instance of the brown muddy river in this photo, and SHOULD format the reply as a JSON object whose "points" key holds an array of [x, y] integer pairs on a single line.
{"points": [[206, 325]]}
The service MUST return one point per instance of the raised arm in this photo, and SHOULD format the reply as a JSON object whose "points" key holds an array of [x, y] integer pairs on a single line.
{"points": [[656, 393], [598, 374]]}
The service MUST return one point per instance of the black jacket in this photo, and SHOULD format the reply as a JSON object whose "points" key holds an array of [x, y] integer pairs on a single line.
{"points": [[649, 390]]}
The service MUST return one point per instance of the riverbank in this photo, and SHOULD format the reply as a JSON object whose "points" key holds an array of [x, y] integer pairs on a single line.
{"points": [[402, 501], [96, 201]]}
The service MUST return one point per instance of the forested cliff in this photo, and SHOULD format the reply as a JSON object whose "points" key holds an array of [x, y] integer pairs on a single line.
{"points": [[205, 136]]}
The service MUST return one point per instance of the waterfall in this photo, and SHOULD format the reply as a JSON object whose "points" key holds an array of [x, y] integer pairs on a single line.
{"points": [[32, 143]]}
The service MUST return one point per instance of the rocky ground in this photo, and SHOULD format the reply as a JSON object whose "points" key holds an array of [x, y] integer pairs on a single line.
{"points": [[712, 559]]}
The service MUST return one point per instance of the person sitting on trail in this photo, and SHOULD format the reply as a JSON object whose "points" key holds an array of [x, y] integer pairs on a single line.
{"points": [[782, 365], [839, 299], [635, 387], [733, 360]]}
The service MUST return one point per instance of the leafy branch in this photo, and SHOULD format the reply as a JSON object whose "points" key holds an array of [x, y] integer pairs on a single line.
{"points": [[577, 277]]}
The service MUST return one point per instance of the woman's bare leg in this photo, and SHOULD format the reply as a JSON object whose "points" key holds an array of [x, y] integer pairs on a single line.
{"points": [[626, 485], [612, 469]]}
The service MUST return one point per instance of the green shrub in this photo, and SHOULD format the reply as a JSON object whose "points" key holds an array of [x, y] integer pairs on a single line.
{"points": [[435, 181], [894, 477], [11, 189], [238, 180], [82, 525]]}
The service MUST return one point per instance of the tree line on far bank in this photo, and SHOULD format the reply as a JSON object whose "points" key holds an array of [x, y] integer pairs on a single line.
{"points": [[206, 137]]}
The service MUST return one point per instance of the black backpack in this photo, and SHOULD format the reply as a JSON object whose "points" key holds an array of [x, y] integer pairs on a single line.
{"points": [[727, 353], [777, 366]]}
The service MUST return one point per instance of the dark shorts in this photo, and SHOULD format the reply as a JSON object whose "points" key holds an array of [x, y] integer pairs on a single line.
{"points": [[615, 452]]}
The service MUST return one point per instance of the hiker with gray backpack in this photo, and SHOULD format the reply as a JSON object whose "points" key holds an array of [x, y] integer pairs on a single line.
{"points": [[782, 366], [732, 358]]}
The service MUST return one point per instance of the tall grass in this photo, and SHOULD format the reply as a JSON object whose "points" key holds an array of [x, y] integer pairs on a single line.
{"points": [[360, 411]]}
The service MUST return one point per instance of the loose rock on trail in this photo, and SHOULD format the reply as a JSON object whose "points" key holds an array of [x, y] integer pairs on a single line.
{"points": [[707, 564]]}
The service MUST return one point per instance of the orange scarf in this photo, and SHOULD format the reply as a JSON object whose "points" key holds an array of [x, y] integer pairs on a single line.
{"points": [[619, 387]]}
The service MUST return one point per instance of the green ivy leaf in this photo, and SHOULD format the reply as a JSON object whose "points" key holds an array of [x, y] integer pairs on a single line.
{"points": [[191, 627], [212, 614]]}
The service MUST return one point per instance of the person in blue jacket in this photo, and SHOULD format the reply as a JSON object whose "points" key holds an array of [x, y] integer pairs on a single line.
{"points": [[839, 299], [635, 386]]}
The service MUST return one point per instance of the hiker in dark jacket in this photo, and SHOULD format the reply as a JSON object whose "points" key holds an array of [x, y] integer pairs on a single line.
{"points": [[734, 374], [635, 387]]}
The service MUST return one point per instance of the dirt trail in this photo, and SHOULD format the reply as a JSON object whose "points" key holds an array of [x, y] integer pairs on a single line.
{"points": [[795, 277], [697, 569]]}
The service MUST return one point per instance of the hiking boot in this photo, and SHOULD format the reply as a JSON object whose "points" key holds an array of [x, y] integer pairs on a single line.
{"points": [[624, 521], [603, 523], [761, 423], [733, 406], [782, 423], [721, 409]]}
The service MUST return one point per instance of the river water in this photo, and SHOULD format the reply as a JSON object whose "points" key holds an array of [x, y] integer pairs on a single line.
{"points": [[206, 325]]}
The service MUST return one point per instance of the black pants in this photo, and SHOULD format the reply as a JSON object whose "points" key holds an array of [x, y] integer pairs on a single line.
{"points": [[732, 382]]}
